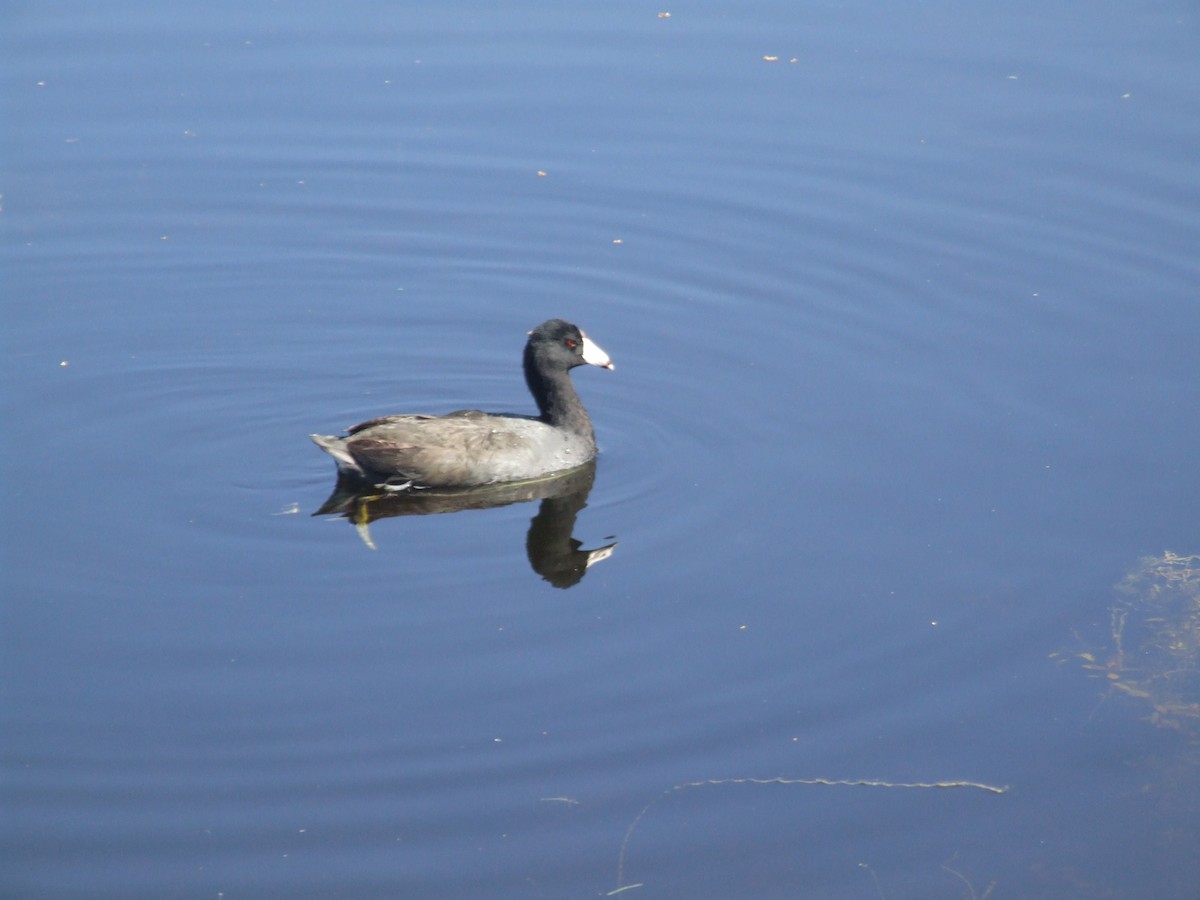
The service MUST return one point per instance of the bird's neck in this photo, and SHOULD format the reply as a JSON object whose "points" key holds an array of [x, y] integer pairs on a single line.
{"points": [[558, 403]]}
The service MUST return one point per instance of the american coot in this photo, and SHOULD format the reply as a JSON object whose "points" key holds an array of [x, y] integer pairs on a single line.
{"points": [[470, 448]]}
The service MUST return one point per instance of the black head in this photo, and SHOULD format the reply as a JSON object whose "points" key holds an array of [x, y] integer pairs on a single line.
{"points": [[559, 344]]}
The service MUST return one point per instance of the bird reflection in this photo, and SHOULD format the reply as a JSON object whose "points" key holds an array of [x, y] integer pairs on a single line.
{"points": [[553, 552]]}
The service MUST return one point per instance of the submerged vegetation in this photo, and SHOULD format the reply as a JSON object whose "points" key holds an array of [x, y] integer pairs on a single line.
{"points": [[1152, 653]]}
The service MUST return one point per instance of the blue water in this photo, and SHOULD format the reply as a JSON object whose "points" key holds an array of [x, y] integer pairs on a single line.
{"points": [[903, 304]]}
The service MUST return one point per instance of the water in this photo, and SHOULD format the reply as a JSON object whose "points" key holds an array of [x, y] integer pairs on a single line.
{"points": [[905, 327]]}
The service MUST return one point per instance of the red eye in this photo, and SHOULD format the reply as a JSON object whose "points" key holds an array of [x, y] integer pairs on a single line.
{"points": [[572, 343]]}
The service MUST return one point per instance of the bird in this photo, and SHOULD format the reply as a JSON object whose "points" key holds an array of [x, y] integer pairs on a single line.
{"points": [[469, 448]]}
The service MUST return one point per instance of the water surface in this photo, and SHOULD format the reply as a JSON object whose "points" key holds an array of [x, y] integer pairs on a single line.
{"points": [[903, 308]]}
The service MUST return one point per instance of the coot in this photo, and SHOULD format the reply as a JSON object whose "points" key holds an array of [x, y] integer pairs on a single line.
{"points": [[469, 448]]}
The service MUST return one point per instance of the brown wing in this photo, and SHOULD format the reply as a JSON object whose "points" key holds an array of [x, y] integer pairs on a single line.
{"points": [[458, 449], [384, 420]]}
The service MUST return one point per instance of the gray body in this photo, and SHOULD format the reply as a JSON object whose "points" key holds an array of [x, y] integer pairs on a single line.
{"points": [[462, 449]]}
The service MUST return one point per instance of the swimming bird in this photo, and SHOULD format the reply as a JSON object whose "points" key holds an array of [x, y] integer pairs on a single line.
{"points": [[469, 448]]}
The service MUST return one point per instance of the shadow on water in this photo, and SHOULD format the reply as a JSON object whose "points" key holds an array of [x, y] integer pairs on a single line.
{"points": [[553, 553]]}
